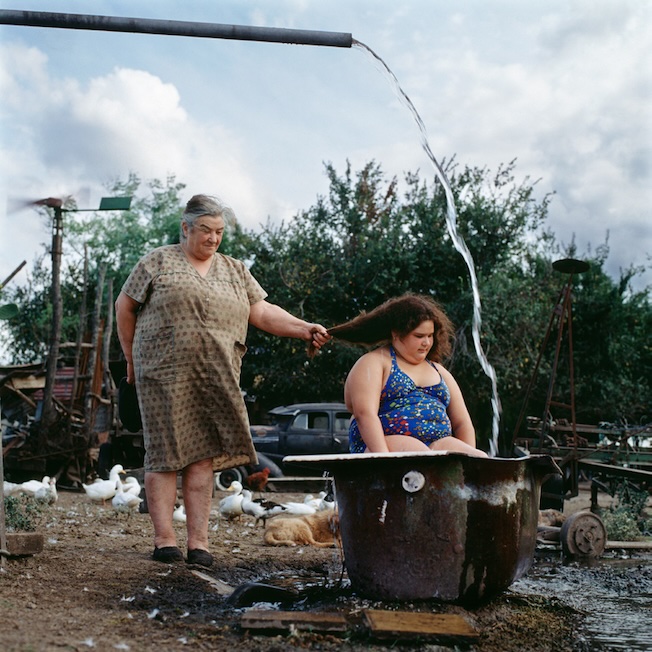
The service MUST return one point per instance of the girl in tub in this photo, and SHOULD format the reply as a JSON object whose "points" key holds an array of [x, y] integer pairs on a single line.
{"points": [[402, 398]]}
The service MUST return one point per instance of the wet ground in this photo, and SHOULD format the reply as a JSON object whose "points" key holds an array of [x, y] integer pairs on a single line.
{"points": [[613, 594], [95, 587]]}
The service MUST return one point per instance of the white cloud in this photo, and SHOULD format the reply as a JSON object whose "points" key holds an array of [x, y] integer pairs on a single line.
{"points": [[562, 87], [85, 135]]}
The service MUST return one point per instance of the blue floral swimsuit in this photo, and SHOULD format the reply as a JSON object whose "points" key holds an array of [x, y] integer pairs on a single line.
{"points": [[407, 409]]}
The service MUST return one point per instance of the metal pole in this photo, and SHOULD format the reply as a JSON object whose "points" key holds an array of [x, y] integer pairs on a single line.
{"points": [[3, 517], [48, 415], [175, 28]]}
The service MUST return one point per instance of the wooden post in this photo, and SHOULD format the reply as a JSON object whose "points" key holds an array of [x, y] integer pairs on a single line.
{"points": [[89, 402], [106, 342], [80, 335]]}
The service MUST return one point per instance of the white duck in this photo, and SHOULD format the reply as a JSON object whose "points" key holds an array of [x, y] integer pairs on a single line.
{"points": [[131, 486], [260, 508], [103, 490], [124, 501], [48, 493], [313, 502], [11, 488], [321, 503], [327, 502], [230, 507], [298, 509], [31, 487], [179, 514]]}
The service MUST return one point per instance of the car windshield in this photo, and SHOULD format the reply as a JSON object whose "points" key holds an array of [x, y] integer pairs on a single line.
{"points": [[282, 421]]}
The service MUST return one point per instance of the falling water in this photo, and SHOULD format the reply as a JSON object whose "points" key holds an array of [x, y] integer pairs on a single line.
{"points": [[458, 242]]}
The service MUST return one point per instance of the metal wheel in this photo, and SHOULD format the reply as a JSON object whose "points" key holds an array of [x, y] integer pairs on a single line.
{"points": [[583, 534]]}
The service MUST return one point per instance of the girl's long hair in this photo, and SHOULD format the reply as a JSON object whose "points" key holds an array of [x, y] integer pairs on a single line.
{"points": [[400, 315]]}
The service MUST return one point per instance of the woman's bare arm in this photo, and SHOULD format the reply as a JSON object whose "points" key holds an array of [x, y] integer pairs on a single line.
{"points": [[275, 320], [126, 310]]}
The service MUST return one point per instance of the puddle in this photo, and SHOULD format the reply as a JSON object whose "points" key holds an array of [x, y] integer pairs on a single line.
{"points": [[613, 593]]}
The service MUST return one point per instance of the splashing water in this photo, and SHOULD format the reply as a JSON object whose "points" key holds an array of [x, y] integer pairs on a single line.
{"points": [[458, 242]]}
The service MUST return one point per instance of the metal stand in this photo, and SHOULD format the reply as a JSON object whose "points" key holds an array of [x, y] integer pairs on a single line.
{"points": [[561, 315]]}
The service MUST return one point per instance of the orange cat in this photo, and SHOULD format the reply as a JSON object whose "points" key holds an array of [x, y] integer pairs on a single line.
{"points": [[320, 529]]}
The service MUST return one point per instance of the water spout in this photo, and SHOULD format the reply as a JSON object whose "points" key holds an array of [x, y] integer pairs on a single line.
{"points": [[174, 28], [458, 242]]}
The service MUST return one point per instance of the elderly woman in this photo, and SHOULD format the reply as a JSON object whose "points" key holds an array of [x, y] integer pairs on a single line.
{"points": [[402, 398], [182, 318]]}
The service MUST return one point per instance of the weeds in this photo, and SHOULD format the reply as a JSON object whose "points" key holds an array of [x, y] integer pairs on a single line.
{"points": [[626, 520], [23, 514]]}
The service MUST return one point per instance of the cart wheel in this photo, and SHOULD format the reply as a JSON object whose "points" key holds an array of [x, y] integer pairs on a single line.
{"points": [[583, 534]]}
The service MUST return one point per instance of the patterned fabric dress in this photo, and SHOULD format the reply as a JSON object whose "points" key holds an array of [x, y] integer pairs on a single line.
{"points": [[187, 353], [407, 409]]}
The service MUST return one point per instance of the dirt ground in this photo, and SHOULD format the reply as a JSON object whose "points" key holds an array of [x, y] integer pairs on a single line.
{"points": [[94, 586]]}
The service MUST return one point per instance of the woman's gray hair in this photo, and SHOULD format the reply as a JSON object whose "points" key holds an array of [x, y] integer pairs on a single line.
{"points": [[199, 205]]}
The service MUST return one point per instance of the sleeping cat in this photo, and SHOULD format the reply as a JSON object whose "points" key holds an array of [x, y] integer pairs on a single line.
{"points": [[320, 529]]}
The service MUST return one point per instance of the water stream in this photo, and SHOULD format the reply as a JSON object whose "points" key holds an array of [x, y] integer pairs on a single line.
{"points": [[458, 242]]}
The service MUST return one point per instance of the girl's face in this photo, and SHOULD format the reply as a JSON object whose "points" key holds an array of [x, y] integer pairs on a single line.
{"points": [[414, 346]]}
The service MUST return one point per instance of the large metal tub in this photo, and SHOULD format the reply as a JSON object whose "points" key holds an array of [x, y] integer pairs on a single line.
{"points": [[435, 525]]}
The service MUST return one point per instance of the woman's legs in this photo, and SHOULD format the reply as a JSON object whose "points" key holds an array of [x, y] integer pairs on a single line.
{"points": [[161, 491], [197, 485]]}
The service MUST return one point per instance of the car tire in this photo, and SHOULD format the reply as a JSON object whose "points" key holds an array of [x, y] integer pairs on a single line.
{"points": [[224, 479]]}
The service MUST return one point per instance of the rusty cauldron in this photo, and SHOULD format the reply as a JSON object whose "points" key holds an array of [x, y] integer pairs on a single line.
{"points": [[435, 525]]}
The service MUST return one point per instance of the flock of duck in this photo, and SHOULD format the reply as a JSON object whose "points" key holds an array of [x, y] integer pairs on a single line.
{"points": [[242, 502], [125, 497], [43, 490]]}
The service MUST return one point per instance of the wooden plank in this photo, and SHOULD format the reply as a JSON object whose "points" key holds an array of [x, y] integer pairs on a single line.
{"points": [[26, 382], [285, 620], [222, 588], [629, 545], [407, 623]]}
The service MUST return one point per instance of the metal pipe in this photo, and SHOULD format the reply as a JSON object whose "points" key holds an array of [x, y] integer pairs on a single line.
{"points": [[174, 28]]}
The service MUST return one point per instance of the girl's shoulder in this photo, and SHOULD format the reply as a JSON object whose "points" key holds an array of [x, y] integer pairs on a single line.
{"points": [[379, 357]]}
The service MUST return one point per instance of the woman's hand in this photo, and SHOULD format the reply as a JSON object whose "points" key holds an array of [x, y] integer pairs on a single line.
{"points": [[131, 377], [318, 336]]}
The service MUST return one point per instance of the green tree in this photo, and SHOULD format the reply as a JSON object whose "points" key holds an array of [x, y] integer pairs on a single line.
{"points": [[364, 243], [371, 238], [117, 239]]}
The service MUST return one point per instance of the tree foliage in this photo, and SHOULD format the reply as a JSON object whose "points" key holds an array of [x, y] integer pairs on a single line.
{"points": [[371, 238]]}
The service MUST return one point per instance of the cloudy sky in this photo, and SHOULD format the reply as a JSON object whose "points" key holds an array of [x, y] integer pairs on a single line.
{"points": [[563, 86]]}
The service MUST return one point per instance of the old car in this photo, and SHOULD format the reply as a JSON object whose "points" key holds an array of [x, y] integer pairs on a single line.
{"points": [[297, 429]]}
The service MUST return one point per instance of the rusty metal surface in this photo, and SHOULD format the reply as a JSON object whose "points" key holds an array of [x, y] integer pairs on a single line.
{"points": [[445, 526]]}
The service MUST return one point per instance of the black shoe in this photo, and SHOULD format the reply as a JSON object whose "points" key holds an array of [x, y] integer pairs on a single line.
{"points": [[200, 557], [167, 555]]}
